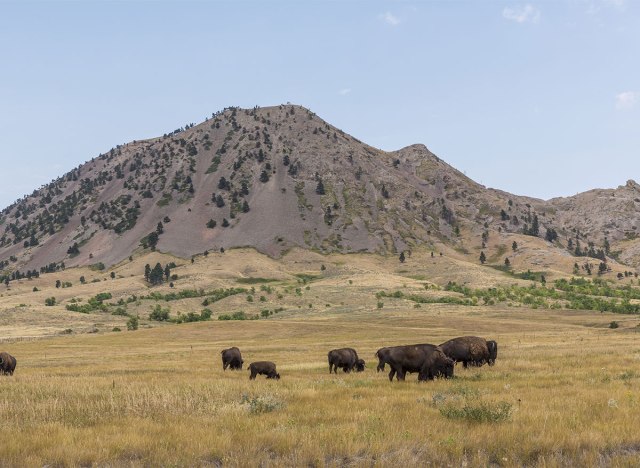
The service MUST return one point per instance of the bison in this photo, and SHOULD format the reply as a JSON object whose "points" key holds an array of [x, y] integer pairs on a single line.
{"points": [[382, 354], [469, 350], [232, 359], [345, 358], [7, 363], [437, 364], [492, 346], [426, 359], [267, 368]]}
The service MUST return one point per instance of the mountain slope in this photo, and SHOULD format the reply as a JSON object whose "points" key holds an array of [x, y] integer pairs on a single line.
{"points": [[277, 177]]}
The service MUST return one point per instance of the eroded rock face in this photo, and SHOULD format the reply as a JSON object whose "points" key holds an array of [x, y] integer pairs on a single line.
{"points": [[279, 177]]}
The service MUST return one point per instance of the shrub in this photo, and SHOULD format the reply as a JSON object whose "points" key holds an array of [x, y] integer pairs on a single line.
{"points": [[478, 413], [50, 301], [116, 329], [159, 314], [261, 404], [132, 323], [614, 324]]}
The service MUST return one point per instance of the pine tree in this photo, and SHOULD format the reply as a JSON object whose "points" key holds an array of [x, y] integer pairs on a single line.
{"points": [[147, 272], [264, 177], [320, 187], [245, 207], [483, 257], [402, 257], [514, 246], [156, 275], [507, 263], [225, 223]]}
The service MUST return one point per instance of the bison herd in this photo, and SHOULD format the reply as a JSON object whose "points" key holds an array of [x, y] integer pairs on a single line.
{"points": [[428, 360]]}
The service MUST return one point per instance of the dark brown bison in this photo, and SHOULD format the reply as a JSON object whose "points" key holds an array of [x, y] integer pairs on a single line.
{"points": [[7, 363], [437, 364], [232, 359], [267, 368], [345, 358], [469, 350], [426, 359], [382, 354], [492, 346]]}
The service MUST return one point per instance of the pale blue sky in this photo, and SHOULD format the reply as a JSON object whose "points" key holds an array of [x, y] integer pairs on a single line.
{"points": [[536, 98]]}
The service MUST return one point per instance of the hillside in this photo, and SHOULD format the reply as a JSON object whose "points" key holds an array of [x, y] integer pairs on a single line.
{"points": [[280, 177]]}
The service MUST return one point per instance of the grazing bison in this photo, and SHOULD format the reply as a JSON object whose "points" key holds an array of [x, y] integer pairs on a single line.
{"points": [[427, 359], [492, 346], [232, 359], [7, 363], [382, 354], [469, 350], [345, 358], [437, 364], [263, 368]]}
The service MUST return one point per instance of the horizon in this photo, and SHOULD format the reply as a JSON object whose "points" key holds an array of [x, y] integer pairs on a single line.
{"points": [[548, 92]]}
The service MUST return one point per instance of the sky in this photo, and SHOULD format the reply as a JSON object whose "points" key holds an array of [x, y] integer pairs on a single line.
{"points": [[535, 98]]}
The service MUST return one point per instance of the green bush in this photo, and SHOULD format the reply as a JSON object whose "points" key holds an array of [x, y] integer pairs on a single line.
{"points": [[50, 301], [132, 323], [159, 314]]}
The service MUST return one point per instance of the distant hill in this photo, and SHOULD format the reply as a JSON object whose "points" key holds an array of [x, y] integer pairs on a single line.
{"points": [[277, 177]]}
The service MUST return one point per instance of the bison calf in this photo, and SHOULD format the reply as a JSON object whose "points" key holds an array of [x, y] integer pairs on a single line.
{"points": [[267, 368], [231, 358], [7, 363], [345, 358]]}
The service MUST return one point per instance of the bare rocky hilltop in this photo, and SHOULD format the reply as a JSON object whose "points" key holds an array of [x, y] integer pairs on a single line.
{"points": [[279, 177]]}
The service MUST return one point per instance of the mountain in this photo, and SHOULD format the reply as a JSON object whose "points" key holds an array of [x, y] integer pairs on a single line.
{"points": [[279, 177]]}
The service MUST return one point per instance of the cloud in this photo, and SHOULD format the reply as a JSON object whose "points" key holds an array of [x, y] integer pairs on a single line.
{"points": [[389, 19], [344, 91], [525, 14], [627, 100]]}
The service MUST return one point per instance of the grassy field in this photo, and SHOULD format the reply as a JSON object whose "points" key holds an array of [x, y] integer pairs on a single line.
{"points": [[564, 391]]}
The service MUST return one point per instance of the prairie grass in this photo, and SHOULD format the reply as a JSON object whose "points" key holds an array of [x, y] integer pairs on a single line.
{"points": [[564, 391], [565, 394]]}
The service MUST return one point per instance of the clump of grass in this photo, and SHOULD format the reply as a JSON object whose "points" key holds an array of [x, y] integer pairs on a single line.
{"points": [[261, 403], [478, 413], [463, 402]]}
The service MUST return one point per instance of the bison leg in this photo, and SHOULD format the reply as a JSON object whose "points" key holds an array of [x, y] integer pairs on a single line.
{"points": [[392, 373], [400, 374], [252, 376]]}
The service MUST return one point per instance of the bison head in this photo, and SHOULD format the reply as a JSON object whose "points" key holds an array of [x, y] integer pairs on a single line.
{"points": [[360, 365], [448, 367], [492, 346]]}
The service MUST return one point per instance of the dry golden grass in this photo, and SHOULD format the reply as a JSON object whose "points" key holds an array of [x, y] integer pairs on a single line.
{"points": [[159, 396]]}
